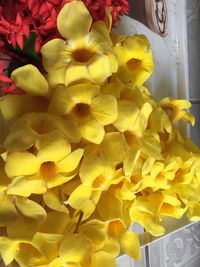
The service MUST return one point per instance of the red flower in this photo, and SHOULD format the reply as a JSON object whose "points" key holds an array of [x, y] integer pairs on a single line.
{"points": [[97, 9], [6, 84]]}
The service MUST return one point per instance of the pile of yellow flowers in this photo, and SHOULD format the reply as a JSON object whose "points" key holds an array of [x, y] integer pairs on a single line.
{"points": [[87, 151]]}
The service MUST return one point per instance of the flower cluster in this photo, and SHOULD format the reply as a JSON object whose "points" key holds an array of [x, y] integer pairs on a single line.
{"points": [[86, 151], [25, 25]]}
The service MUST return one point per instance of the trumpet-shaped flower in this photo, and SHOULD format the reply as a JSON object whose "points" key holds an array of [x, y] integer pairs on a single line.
{"points": [[177, 107], [85, 107], [87, 53], [53, 165], [117, 225], [135, 59], [145, 210]]}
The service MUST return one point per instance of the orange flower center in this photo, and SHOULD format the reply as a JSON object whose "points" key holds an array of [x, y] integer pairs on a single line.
{"points": [[82, 55], [81, 110], [48, 170], [116, 228], [133, 64]]}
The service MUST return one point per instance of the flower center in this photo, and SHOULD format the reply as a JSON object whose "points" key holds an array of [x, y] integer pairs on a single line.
{"points": [[81, 110], [133, 64], [116, 228], [82, 55], [48, 170]]}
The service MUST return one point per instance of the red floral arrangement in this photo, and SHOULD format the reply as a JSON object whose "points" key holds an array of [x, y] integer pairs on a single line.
{"points": [[26, 25]]}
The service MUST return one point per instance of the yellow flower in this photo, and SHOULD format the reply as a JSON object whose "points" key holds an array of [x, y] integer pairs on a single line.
{"points": [[146, 210], [86, 107], [135, 60], [177, 107], [41, 244], [34, 130], [115, 218], [87, 53], [53, 165]]}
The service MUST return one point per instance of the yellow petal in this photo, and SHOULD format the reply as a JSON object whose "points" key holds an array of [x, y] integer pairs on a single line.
{"points": [[52, 200], [71, 162], [61, 102], [92, 131], [8, 249], [75, 248], [46, 244], [77, 72], [112, 246], [100, 69], [130, 244], [21, 163], [30, 80], [127, 115], [113, 207], [91, 168], [95, 230], [55, 223], [79, 196], [70, 130], [194, 211], [31, 216], [84, 93], [130, 160], [13, 105], [101, 258], [53, 57], [54, 151], [56, 77], [79, 25], [141, 123], [104, 109], [112, 148], [4, 180], [8, 212], [25, 186], [59, 179], [19, 140]]}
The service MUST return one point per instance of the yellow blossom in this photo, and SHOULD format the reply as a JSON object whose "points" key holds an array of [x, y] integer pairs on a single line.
{"points": [[87, 53], [135, 60], [52, 165], [85, 107], [177, 107]]}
